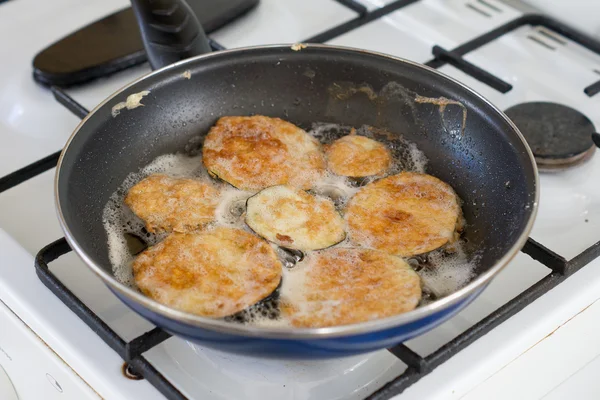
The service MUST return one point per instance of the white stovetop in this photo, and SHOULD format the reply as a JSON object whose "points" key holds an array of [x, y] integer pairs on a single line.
{"points": [[518, 360]]}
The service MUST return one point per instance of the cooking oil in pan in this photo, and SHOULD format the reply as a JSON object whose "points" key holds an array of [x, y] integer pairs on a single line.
{"points": [[442, 271]]}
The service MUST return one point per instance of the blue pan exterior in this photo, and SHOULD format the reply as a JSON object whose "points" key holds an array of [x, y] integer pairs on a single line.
{"points": [[300, 348]]}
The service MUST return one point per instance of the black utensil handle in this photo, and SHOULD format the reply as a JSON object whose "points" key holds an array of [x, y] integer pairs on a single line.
{"points": [[170, 31], [596, 139]]}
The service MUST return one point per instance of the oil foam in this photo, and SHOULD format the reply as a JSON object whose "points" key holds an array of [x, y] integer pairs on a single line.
{"points": [[442, 273]]}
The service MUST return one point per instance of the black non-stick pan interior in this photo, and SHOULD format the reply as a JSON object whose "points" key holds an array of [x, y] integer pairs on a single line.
{"points": [[486, 162]]}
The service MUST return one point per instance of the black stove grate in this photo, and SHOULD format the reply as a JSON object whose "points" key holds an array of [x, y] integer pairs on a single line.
{"points": [[418, 366], [455, 57], [363, 19], [130, 352]]}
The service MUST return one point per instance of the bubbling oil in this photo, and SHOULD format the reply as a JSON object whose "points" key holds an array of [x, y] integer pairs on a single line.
{"points": [[442, 271]]}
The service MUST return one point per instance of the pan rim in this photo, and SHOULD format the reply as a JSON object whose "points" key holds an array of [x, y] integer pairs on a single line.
{"points": [[290, 333]]}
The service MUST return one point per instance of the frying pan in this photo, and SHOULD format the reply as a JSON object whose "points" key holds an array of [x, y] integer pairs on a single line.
{"points": [[483, 156]]}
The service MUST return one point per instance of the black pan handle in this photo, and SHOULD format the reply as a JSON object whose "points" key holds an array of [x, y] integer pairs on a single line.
{"points": [[596, 139], [170, 31]]}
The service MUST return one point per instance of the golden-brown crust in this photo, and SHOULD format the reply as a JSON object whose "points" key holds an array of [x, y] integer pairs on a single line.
{"points": [[357, 156], [168, 204], [343, 286], [292, 218], [252, 153], [404, 214], [212, 273]]}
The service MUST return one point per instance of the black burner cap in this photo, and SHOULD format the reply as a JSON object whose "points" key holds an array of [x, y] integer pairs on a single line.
{"points": [[559, 136]]}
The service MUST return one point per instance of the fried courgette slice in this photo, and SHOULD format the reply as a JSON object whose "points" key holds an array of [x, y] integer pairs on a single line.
{"points": [[342, 286], [357, 156], [252, 153], [214, 273], [404, 214], [169, 204], [292, 218]]}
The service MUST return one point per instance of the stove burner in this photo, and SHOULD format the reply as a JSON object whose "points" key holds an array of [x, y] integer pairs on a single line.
{"points": [[559, 136]]}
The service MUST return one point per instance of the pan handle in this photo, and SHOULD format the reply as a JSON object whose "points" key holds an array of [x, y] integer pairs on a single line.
{"points": [[596, 139], [170, 31]]}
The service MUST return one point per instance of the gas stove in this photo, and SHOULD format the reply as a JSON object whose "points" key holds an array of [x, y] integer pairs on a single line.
{"points": [[526, 337]]}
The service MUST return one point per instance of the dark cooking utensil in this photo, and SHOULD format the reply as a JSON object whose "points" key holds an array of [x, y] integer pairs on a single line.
{"points": [[113, 44], [487, 161]]}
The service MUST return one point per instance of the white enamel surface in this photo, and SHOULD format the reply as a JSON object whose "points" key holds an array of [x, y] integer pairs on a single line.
{"points": [[7, 389], [276, 21], [412, 31], [226, 376], [33, 125], [565, 343], [579, 13], [31, 370]]}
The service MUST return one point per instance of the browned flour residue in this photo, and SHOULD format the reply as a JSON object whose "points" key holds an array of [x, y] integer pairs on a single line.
{"points": [[298, 46], [443, 102], [309, 73], [391, 93], [345, 90], [382, 132], [133, 101]]}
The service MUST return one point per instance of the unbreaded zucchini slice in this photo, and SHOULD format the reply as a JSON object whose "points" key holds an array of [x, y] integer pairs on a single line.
{"points": [[292, 218]]}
